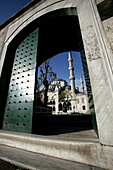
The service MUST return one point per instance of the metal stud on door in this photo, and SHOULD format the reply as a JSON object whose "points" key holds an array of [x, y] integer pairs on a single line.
{"points": [[19, 106]]}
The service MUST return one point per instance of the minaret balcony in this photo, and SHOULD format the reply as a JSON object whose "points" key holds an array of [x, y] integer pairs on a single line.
{"points": [[72, 78], [71, 68], [70, 59]]}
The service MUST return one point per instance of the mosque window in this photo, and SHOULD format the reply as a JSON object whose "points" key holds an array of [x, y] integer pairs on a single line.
{"points": [[53, 108], [83, 107], [68, 105], [64, 107], [82, 100], [50, 102], [53, 102], [60, 106]]}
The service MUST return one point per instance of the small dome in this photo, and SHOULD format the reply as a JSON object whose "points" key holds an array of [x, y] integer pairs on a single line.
{"points": [[68, 88]]}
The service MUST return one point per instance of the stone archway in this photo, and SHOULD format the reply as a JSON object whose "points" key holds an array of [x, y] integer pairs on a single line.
{"points": [[96, 54]]}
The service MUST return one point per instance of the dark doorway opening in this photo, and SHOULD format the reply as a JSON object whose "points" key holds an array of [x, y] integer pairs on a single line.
{"points": [[58, 32], [59, 35]]}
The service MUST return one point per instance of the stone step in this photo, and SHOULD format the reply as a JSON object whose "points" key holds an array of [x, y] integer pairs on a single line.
{"points": [[13, 159], [82, 150]]}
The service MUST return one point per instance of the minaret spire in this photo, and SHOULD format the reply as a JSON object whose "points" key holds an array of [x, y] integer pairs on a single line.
{"points": [[82, 84], [72, 77]]}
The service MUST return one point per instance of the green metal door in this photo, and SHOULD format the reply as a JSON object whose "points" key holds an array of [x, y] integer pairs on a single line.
{"points": [[19, 107]]}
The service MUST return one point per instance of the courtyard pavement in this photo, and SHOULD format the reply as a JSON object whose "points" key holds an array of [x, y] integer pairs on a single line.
{"points": [[16, 159]]}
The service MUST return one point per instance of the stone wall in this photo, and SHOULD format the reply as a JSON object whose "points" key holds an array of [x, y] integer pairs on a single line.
{"points": [[2, 32], [99, 1], [98, 54], [108, 27]]}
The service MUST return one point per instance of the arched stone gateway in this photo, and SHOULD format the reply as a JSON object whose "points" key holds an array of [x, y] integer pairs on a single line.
{"points": [[59, 26]]}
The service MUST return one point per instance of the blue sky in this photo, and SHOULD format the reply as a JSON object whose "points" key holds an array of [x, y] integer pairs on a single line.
{"points": [[10, 7], [60, 64]]}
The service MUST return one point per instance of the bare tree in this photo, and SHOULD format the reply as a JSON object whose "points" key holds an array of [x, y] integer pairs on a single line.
{"points": [[46, 75]]}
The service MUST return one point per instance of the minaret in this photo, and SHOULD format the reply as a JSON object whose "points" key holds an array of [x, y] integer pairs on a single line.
{"points": [[82, 84], [72, 77]]}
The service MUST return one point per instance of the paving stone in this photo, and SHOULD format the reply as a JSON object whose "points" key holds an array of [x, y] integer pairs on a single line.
{"points": [[16, 159]]}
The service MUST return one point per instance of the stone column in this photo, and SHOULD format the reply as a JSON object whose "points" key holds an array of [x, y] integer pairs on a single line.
{"points": [[99, 60]]}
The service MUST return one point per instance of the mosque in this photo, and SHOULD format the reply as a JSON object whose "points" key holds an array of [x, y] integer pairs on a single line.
{"points": [[65, 99]]}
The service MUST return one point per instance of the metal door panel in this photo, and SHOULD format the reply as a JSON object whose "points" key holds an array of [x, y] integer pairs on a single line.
{"points": [[19, 107]]}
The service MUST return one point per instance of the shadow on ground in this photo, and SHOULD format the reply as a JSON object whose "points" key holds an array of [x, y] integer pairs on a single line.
{"points": [[61, 124]]}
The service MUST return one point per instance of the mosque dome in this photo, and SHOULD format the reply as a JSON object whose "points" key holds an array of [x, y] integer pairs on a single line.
{"points": [[68, 87]]}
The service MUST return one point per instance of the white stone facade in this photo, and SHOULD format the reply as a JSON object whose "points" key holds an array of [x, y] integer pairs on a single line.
{"points": [[66, 104]]}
